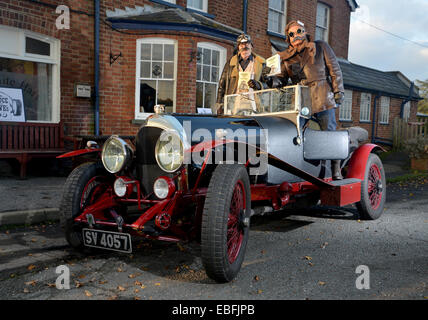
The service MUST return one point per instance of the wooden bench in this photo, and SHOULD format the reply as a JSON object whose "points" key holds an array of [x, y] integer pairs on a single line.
{"points": [[26, 140]]}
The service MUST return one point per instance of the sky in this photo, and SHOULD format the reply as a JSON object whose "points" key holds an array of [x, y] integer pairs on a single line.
{"points": [[376, 49]]}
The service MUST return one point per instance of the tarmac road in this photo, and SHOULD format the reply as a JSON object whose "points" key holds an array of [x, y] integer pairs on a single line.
{"points": [[311, 256]]}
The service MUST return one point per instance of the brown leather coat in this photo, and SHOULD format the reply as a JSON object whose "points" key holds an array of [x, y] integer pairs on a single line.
{"points": [[228, 83], [316, 67]]}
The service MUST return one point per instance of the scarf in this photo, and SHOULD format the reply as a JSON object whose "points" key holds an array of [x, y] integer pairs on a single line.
{"points": [[291, 51]]}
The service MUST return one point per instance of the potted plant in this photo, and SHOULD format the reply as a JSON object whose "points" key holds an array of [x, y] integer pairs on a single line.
{"points": [[417, 149]]}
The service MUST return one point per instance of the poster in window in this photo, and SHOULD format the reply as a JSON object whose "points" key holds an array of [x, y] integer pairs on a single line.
{"points": [[11, 105]]}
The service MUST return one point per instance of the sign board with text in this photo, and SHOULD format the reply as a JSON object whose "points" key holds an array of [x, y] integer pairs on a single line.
{"points": [[11, 105], [82, 90]]}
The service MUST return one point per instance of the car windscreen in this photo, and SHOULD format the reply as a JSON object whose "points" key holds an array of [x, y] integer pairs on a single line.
{"points": [[261, 102]]}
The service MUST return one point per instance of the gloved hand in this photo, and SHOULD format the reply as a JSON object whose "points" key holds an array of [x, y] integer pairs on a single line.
{"points": [[253, 84], [339, 97], [219, 108], [265, 72]]}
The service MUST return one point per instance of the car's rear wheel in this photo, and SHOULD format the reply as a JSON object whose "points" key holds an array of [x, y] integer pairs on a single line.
{"points": [[373, 190], [83, 187], [225, 222]]}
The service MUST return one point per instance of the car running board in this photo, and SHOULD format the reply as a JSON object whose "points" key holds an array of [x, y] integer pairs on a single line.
{"points": [[344, 192], [334, 193]]}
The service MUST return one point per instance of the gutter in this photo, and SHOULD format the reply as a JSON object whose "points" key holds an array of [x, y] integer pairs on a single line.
{"points": [[374, 91], [165, 26], [97, 67]]}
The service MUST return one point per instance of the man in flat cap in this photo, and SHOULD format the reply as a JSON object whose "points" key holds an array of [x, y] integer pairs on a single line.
{"points": [[242, 73], [313, 64]]}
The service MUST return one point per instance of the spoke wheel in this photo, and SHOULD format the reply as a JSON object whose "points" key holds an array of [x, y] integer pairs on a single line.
{"points": [[373, 190], [225, 222], [83, 187], [235, 228]]}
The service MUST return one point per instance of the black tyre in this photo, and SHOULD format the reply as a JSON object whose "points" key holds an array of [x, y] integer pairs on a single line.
{"points": [[373, 190], [82, 188], [225, 222]]}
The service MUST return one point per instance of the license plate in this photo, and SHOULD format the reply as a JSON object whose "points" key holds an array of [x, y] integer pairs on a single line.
{"points": [[108, 240]]}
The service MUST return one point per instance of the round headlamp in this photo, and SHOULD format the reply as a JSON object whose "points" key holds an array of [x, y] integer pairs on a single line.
{"points": [[169, 151], [163, 187], [116, 153], [123, 186], [305, 112]]}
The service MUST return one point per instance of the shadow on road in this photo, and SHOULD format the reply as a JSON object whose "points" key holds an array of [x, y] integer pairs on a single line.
{"points": [[344, 213]]}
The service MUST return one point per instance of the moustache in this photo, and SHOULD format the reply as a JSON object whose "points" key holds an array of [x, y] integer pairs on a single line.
{"points": [[302, 38]]}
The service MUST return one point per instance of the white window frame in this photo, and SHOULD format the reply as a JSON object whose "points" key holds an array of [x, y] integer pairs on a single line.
{"points": [[385, 103], [406, 111], [170, 1], [17, 51], [284, 18], [345, 111], [143, 115], [204, 6], [365, 107], [222, 62], [326, 28]]}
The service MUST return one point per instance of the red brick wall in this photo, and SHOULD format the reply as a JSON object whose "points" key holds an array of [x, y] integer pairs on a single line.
{"points": [[228, 12], [76, 51], [117, 96], [117, 82], [340, 15], [305, 11]]}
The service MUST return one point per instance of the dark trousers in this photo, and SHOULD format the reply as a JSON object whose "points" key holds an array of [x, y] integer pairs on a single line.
{"points": [[326, 120]]}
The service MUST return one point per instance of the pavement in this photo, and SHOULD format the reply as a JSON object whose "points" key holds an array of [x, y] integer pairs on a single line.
{"points": [[37, 198]]}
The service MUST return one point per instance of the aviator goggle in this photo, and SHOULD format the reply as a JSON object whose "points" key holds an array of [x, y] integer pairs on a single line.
{"points": [[298, 31]]}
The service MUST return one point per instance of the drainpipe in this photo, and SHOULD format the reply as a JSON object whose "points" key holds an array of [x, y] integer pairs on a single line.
{"points": [[244, 16], [97, 67], [374, 117], [406, 100]]}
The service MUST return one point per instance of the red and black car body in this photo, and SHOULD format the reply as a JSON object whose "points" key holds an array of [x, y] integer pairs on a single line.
{"points": [[132, 189]]}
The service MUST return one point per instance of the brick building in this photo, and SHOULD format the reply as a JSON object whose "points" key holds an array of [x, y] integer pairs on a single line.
{"points": [[163, 51]]}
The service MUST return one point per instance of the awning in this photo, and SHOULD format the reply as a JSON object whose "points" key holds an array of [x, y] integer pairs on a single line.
{"points": [[279, 45]]}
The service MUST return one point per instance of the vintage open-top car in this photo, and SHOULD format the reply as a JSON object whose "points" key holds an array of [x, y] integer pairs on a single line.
{"points": [[202, 177]]}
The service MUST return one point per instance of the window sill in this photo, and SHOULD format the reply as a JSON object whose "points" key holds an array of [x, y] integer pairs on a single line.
{"points": [[346, 120], [365, 121], [203, 13], [168, 4], [275, 34], [384, 123]]}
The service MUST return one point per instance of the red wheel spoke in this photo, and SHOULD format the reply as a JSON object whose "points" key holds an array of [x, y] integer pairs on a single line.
{"points": [[374, 186], [234, 232]]}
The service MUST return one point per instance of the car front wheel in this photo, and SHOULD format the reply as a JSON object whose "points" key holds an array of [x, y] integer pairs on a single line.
{"points": [[83, 187], [225, 222], [373, 190]]}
